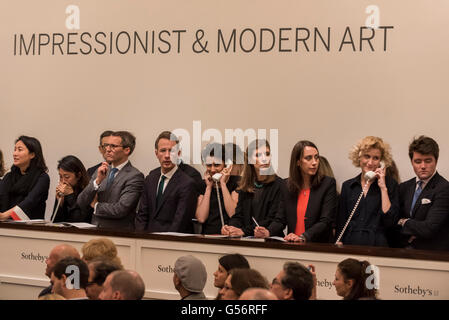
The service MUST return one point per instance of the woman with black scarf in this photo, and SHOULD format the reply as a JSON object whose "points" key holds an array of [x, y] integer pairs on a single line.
{"points": [[25, 188]]}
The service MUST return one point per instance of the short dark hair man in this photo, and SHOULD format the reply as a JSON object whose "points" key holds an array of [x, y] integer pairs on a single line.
{"points": [[107, 133], [99, 269], [424, 200], [294, 282], [168, 201], [114, 190], [123, 285], [69, 278]]}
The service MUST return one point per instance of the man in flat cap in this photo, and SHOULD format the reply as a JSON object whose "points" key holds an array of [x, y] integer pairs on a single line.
{"points": [[190, 278]]}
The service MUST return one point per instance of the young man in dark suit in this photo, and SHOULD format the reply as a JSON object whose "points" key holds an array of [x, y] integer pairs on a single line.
{"points": [[115, 188], [169, 197], [424, 200]]}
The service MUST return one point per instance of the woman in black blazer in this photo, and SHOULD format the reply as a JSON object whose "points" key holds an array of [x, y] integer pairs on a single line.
{"points": [[25, 188], [259, 195], [309, 197], [73, 179]]}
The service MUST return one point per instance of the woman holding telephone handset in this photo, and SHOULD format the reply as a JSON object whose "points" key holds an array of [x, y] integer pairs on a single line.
{"points": [[218, 184], [369, 203]]}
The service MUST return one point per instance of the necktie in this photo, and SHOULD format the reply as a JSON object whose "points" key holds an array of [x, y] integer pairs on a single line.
{"points": [[111, 177], [416, 195], [160, 190]]}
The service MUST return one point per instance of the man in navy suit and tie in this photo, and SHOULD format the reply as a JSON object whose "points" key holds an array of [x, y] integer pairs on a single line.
{"points": [[424, 200], [169, 198]]}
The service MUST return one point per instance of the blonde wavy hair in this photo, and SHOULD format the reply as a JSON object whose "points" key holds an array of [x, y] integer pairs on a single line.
{"points": [[100, 248], [367, 144]]}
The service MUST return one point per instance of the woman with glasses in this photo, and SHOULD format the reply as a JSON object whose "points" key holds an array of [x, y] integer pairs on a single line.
{"points": [[24, 190], [72, 180]]}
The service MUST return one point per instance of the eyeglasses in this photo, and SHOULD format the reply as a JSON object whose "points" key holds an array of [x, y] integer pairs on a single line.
{"points": [[112, 146]]}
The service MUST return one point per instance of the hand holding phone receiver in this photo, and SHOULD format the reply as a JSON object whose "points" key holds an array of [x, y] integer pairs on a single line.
{"points": [[216, 177], [371, 174]]}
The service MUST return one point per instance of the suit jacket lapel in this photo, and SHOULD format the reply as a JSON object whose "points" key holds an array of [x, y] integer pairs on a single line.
{"points": [[428, 190], [153, 190], [120, 175], [171, 185]]}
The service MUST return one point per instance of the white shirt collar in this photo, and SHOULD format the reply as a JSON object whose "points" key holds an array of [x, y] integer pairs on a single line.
{"points": [[424, 182], [170, 173], [120, 166]]}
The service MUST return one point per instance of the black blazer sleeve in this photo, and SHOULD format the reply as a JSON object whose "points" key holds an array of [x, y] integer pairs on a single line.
{"points": [[322, 210], [143, 213], [36, 198]]}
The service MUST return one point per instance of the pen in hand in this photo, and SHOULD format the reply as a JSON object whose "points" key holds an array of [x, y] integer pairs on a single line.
{"points": [[255, 222]]}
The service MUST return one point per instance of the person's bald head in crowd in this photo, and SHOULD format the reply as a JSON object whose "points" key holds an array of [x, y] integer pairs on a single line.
{"points": [[123, 285], [257, 294], [58, 253]]}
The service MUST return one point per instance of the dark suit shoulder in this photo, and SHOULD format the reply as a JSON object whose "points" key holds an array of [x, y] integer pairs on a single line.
{"points": [[130, 168], [326, 182]]}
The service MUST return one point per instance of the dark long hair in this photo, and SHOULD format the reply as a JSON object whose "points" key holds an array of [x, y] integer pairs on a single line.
{"points": [[2, 165], [352, 269], [249, 172], [295, 180], [74, 165], [34, 146]]}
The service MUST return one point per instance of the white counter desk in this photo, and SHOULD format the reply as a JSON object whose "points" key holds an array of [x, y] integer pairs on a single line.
{"points": [[404, 274]]}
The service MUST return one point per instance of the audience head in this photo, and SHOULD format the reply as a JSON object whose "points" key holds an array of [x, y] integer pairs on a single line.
{"points": [[57, 253], [2, 165], [72, 172], [101, 147], [225, 264], [51, 296], [190, 275], [167, 150], [68, 276], [241, 279], [99, 269], [350, 280], [257, 294], [123, 285], [424, 152], [257, 165], [101, 248], [369, 152], [304, 166], [28, 154], [294, 282]]}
